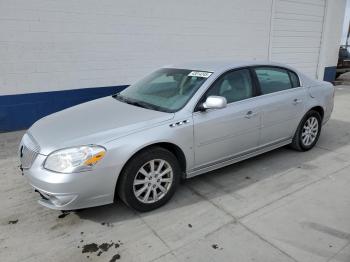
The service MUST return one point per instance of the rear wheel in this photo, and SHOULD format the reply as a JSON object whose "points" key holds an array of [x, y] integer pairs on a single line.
{"points": [[308, 131], [149, 179]]}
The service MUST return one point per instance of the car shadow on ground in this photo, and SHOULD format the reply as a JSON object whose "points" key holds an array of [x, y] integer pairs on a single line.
{"points": [[228, 180]]}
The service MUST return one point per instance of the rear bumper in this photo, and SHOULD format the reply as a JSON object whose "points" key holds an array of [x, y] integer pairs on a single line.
{"points": [[72, 191], [329, 107], [327, 114]]}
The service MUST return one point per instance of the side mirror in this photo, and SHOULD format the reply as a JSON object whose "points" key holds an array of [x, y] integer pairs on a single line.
{"points": [[214, 102]]}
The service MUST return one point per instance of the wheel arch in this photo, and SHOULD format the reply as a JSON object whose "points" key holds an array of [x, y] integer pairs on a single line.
{"points": [[175, 149], [318, 109], [296, 138]]}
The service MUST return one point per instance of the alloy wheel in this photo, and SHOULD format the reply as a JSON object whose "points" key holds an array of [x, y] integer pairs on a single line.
{"points": [[153, 181], [310, 131]]}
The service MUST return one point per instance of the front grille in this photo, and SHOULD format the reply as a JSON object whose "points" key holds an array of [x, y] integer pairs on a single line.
{"points": [[29, 150]]}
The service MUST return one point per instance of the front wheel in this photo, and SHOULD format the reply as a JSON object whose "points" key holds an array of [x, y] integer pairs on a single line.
{"points": [[149, 179], [308, 131]]}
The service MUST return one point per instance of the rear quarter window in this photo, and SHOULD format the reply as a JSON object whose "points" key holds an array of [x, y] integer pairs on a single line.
{"points": [[294, 78]]}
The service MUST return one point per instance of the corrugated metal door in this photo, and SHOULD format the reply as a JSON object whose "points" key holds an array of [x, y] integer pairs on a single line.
{"points": [[297, 33]]}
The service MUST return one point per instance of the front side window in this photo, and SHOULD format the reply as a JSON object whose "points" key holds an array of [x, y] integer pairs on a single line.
{"points": [[234, 86], [166, 90], [273, 79]]}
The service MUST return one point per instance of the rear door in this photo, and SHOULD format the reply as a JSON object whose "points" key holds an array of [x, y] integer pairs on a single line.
{"points": [[281, 103]]}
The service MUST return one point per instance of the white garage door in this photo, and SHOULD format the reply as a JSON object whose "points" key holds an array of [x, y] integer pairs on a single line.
{"points": [[296, 33]]}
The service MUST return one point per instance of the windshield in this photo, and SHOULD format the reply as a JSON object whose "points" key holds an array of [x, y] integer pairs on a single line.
{"points": [[166, 90]]}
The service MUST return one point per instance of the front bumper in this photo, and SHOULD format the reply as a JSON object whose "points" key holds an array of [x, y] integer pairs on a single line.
{"points": [[72, 191]]}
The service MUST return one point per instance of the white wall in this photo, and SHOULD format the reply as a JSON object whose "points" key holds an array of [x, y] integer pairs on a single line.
{"points": [[54, 45], [48, 45], [332, 32], [297, 32], [346, 23]]}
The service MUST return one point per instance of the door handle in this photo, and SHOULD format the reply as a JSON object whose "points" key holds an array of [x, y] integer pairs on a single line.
{"points": [[297, 101], [250, 114]]}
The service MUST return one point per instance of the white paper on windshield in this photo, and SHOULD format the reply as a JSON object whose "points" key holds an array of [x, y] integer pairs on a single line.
{"points": [[200, 74]]}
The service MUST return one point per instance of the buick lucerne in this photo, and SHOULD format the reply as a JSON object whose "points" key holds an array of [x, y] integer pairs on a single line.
{"points": [[178, 122]]}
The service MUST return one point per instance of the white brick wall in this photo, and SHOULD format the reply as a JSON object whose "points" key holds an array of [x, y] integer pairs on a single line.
{"points": [[297, 33], [332, 32], [48, 45]]}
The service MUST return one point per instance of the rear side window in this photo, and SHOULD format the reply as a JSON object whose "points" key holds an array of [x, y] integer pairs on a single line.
{"points": [[273, 79], [294, 78]]}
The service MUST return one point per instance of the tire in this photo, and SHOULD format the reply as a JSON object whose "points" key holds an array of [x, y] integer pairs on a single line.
{"points": [[300, 141], [144, 190]]}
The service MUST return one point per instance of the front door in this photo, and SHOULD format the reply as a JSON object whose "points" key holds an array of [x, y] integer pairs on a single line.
{"points": [[220, 134]]}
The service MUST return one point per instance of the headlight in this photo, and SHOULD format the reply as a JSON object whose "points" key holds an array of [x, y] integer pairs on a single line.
{"points": [[75, 159]]}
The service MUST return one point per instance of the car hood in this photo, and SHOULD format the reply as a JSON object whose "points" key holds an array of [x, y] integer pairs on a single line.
{"points": [[94, 122]]}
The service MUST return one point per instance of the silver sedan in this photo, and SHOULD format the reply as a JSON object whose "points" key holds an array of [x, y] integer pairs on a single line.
{"points": [[178, 122]]}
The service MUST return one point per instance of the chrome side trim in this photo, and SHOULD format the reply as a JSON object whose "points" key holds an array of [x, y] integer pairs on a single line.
{"points": [[237, 158], [180, 123]]}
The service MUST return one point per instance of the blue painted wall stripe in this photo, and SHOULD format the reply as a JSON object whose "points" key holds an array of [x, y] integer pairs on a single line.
{"points": [[21, 111], [330, 73]]}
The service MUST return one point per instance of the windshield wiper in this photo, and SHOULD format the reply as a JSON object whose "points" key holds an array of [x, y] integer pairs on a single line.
{"points": [[140, 104], [132, 102], [119, 97]]}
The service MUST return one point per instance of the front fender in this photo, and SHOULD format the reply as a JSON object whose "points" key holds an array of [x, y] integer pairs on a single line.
{"points": [[119, 151]]}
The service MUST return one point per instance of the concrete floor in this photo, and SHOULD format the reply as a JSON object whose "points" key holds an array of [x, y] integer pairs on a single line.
{"points": [[280, 206]]}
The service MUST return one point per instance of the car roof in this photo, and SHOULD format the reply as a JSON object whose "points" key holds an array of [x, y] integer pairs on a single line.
{"points": [[221, 66]]}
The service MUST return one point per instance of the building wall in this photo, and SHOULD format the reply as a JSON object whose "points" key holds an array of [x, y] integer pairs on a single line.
{"points": [[59, 45], [297, 33], [346, 23], [55, 54], [332, 33]]}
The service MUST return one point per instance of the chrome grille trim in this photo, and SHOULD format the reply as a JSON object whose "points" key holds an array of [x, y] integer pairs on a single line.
{"points": [[30, 142], [29, 150]]}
